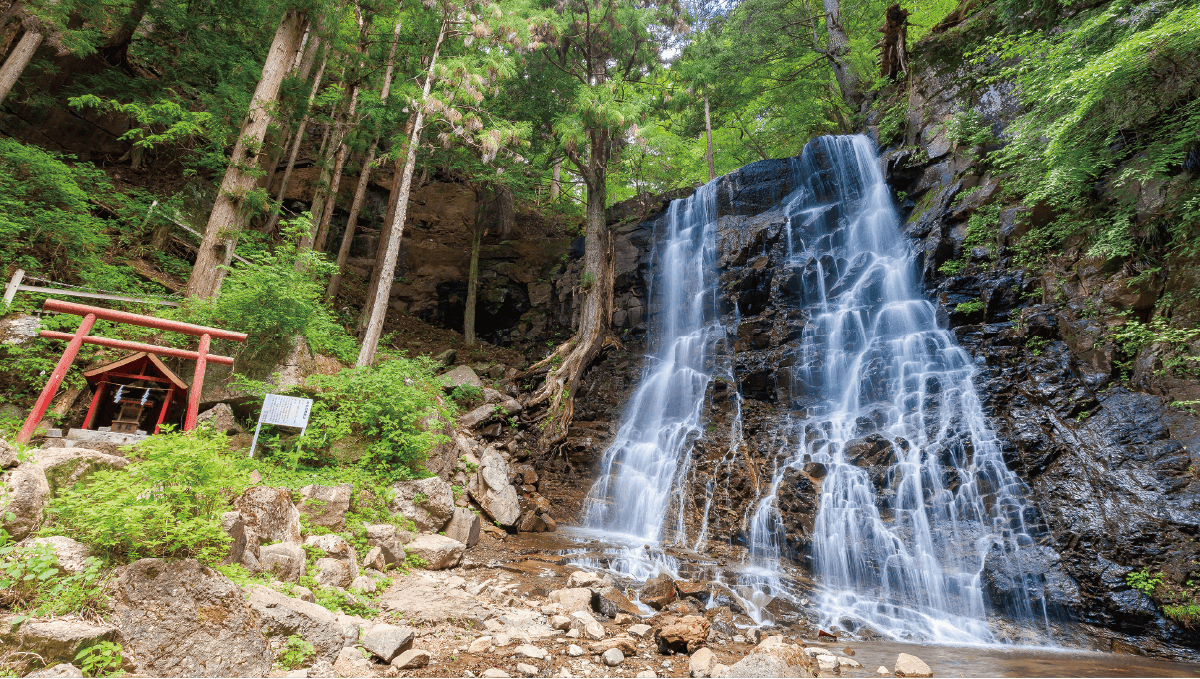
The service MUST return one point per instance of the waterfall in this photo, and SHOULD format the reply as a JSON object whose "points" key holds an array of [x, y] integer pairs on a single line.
{"points": [[883, 419], [641, 470], [914, 491]]}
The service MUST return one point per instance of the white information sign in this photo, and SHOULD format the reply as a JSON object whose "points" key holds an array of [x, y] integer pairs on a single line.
{"points": [[285, 411]]}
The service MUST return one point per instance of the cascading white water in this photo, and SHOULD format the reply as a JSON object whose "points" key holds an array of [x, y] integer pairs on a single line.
{"points": [[915, 495], [650, 454], [907, 517]]}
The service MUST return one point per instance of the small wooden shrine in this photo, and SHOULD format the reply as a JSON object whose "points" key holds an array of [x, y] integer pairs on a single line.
{"points": [[132, 394]]}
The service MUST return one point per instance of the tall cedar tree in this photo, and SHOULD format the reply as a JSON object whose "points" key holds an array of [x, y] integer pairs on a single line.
{"points": [[606, 47]]}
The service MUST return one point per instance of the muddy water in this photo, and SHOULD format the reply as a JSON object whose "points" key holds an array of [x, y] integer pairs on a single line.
{"points": [[950, 661]]}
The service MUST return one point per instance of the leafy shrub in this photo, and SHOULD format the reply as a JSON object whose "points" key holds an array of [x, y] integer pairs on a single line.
{"points": [[102, 659], [294, 653], [1143, 581], [32, 580], [376, 411], [277, 297], [166, 504], [970, 307]]}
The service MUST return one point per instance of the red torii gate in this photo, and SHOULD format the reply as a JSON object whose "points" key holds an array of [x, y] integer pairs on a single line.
{"points": [[90, 314]]}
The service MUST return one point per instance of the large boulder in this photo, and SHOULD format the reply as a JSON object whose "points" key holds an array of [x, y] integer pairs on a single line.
{"points": [[270, 514], [461, 376], [428, 503], [185, 619], [243, 543], [326, 505], [659, 591], [911, 666], [220, 418], [387, 641], [64, 467], [611, 602], [35, 644], [685, 636], [285, 559], [23, 499], [72, 556], [572, 599], [464, 526], [491, 489], [438, 551], [390, 541], [333, 573], [336, 547], [284, 616]]}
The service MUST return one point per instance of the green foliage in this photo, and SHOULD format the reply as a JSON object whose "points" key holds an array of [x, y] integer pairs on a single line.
{"points": [[166, 504], [294, 653], [466, 393], [1109, 93], [967, 128], [295, 278], [373, 415], [102, 659], [1143, 581], [32, 580], [1133, 335], [970, 307]]}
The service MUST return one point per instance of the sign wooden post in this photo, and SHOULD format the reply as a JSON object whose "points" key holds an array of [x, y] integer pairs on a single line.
{"points": [[285, 411]]}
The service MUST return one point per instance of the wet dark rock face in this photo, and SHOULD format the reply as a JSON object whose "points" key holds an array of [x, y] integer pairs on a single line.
{"points": [[1113, 484]]}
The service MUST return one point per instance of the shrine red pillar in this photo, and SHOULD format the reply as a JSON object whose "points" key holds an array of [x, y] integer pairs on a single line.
{"points": [[162, 414], [91, 414], [56, 378], [189, 422]]}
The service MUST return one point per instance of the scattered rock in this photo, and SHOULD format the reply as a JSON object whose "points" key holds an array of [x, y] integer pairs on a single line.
{"points": [[332, 573], [480, 645], [428, 503], [560, 622], [754, 635], [285, 559], [242, 541], [574, 651], [351, 663], [438, 551], [493, 673], [52, 642], [477, 416], [827, 663], [911, 666], [303, 594], [882, 671], [363, 584], [270, 514], [446, 357], [701, 662], [326, 505], [687, 635], [646, 673], [527, 670], [59, 670], [412, 659], [8, 455], [220, 418], [639, 630], [847, 662], [530, 651], [659, 591], [623, 619], [185, 619], [387, 641], [623, 642], [593, 631], [464, 527], [72, 556], [24, 497], [573, 599], [613, 657], [462, 375], [285, 616]]}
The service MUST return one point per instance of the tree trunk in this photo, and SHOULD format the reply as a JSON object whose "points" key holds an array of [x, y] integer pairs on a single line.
{"points": [[385, 233], [220, 236], [296, 141], [893, 46], [472, 285], [366, 355], [839, 47], [555, 184], [364, 178], [712, 171], [17, 60], [597, 285], [338, 165]]}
